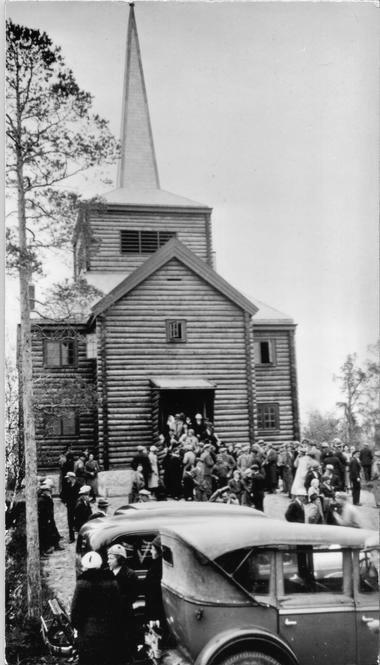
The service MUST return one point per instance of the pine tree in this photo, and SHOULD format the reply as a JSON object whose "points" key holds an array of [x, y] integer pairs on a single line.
{"points": [[52, 135]]}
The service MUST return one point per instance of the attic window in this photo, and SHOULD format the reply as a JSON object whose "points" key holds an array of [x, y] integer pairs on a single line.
{"points": [[176, 330], [143, 242], [265, 352]]}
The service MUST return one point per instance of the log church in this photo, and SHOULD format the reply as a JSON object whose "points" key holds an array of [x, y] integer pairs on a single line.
{"points": [[169, 334]]}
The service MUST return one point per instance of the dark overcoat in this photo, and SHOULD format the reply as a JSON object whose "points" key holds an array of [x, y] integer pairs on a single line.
{"points": [[96, 613]]}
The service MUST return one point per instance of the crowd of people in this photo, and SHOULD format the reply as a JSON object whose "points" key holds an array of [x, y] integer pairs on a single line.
{"points": [[191, 463]]}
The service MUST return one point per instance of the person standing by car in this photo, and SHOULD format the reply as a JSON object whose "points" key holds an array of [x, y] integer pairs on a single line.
{"points": [[257, 487], [69, 496], [127, 582], [96, 613], [295, 511], [354, 475], [82, 510], [154, 608]]}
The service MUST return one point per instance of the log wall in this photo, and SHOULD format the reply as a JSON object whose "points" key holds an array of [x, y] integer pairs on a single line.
{"points": [[136, 349], [49, 446], [191, 228], [277, 384]]}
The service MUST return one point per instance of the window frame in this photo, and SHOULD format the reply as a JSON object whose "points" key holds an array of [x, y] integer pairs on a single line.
{"points": [[276, 405], [140, 239], [176, 340], [60, 342], [59, 417], [272, 352]]}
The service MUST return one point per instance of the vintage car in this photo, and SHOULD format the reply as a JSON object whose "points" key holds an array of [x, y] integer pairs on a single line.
{"points": [[140, 523], [271, 593]]}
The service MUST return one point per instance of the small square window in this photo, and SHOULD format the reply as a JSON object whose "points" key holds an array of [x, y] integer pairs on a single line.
{"points": [[267, 416], [176, 330], [264, 352], [60, 353], [66, 424]]}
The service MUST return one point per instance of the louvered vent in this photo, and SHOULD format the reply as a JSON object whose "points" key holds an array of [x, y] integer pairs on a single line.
{"points": [[143, 242]]}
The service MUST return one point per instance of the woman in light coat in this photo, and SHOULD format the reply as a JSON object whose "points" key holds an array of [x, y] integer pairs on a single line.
{"points": [[154, 477]]}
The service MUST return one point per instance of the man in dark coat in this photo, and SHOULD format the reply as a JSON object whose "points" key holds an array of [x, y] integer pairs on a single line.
{"points": [[354, 471], [366, 459], [295, 511], [69, 496], [48, 533], [128, 584], [154, 607], [96, 613], [141, 459], [257, 487], [82, 510], [333, 459]]}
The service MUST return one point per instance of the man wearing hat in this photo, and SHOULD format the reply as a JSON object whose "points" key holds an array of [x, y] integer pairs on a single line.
{"points": [[101, 511], [82, 510], [295, 511], [48, 533], [154, 609], [257, 487], [69, 496], [144, 496], [128, 584]]}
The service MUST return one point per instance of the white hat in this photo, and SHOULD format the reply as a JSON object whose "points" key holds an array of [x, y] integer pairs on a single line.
{"points": [[70, 474], [154, 449], [85, 489], [91, 560], [144, 492], [117, 549]]}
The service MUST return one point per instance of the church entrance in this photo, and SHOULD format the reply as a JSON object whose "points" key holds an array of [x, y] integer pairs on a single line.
{"points": [[171, 395]]}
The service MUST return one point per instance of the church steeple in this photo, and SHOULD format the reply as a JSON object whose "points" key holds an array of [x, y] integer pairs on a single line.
{"points": [[137, 167]]}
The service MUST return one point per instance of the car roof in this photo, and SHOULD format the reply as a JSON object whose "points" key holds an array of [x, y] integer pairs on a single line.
{"points": [[103, 530], [186, 507], [230, 535]]}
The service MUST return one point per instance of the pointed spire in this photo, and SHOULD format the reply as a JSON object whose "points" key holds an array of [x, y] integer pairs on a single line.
{"points": [[137, 167]]}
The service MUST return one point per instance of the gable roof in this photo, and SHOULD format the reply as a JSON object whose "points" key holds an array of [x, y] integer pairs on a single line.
{"points": [[174, 249], [150, 197]]}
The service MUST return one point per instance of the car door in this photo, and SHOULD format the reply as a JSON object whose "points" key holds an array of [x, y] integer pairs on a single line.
{"points": [[316, 608], [366, 593]]}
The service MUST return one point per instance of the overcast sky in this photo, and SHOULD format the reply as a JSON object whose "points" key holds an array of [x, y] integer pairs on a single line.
{"points": [[268, 112]]}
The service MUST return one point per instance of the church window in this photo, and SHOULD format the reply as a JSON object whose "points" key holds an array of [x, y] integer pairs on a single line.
{"points": [[60, 353], [65, 424], [143, 242], [267, 416], [264, 352], [176, 330]]}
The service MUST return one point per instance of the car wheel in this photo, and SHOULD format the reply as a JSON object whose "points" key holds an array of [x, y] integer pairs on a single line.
{"points": [[250, 658]]}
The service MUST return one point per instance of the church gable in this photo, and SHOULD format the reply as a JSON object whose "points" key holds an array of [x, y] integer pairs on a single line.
{"points": [[173, 324]]}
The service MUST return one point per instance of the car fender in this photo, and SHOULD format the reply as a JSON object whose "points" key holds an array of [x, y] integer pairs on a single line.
{"points": [[227, 640]]}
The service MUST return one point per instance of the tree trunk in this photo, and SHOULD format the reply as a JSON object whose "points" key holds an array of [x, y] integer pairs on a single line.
{"points": [[30, 452]]}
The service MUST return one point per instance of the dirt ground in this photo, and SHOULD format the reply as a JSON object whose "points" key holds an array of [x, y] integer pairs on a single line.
{"points": [[59, 567]]}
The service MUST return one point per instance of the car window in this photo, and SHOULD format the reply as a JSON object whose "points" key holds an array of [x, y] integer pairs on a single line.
{"points": [[139, 550], [369, 571], [251, 568], [308, 570]]}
